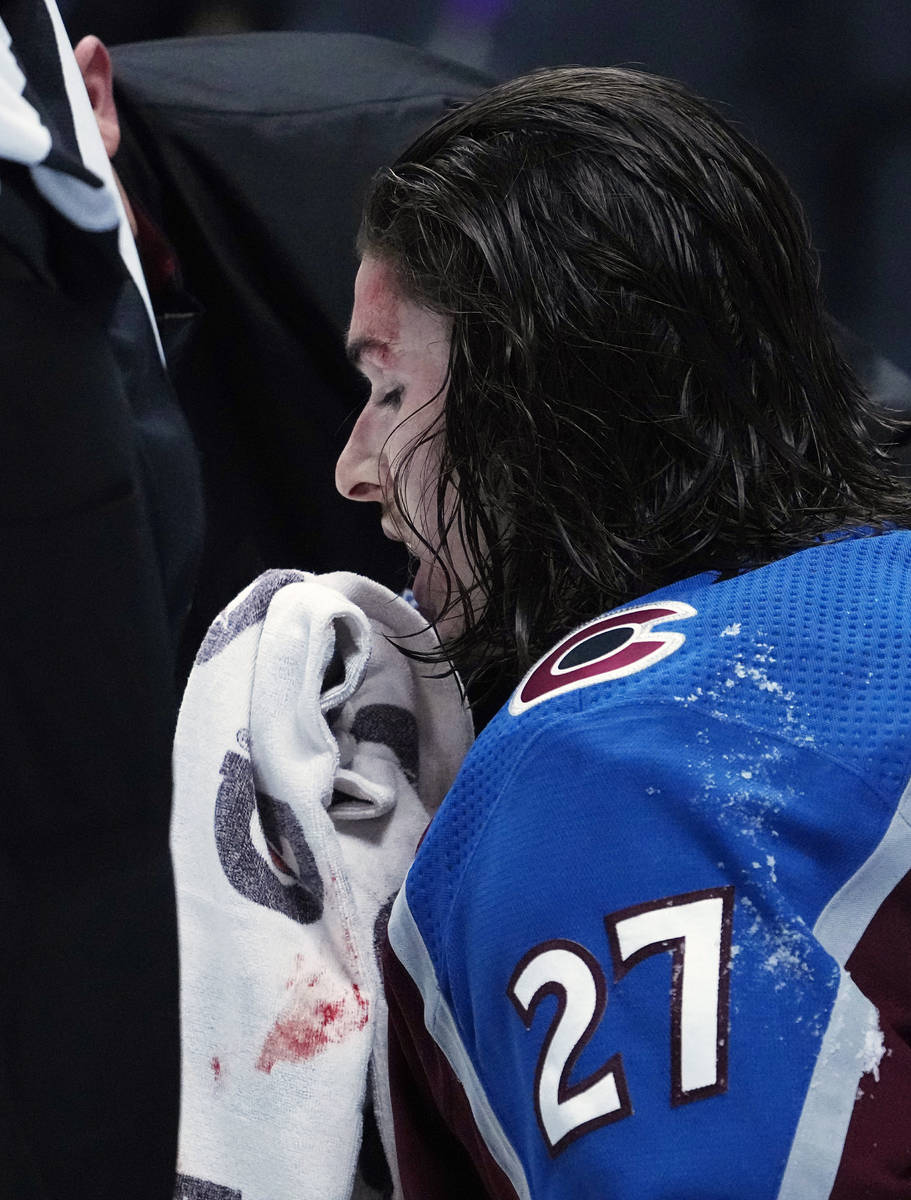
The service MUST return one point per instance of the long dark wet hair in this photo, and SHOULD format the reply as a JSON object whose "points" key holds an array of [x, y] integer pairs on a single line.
{"points": [[642, 381]]}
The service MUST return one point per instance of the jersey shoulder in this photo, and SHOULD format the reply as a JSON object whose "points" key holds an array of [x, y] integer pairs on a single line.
{"points": [[814, 649], [805, 661]]}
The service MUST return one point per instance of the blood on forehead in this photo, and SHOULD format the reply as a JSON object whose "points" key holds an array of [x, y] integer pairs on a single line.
{"points": [[394, 335], [377, 314]]}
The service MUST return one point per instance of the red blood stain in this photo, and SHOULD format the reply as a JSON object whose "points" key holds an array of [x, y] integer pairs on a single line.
{"points": [[311, 1024], [350, 947], [277, 859], [294, 980], [379, 299], [216, 1067]]}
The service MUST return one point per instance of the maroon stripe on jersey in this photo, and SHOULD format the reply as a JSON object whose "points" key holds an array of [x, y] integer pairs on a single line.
{"points": [[440, 1151], [876, 1162]]}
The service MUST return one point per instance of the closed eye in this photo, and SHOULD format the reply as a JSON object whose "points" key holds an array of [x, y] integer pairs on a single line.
{"points": [[391, 399]]}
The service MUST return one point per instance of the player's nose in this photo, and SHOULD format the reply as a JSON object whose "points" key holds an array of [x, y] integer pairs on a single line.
{"points": [[357, 472]]}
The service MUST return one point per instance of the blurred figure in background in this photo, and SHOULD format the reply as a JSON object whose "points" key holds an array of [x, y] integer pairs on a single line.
{"points": [[100, 531], [245, 202], [830, 102], [101, 509]]}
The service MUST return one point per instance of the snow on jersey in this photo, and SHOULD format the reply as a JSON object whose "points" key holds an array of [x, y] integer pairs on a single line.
{"points": [[655, 942]]}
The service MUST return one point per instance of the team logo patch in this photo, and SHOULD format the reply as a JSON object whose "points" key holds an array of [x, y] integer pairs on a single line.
{"points": [[608, 648]]}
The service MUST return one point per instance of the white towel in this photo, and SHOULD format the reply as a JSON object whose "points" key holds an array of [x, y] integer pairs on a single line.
{"points": [[310, 755]]}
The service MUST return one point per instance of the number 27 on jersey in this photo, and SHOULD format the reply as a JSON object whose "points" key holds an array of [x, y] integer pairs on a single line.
{"points": [[695, 930]]}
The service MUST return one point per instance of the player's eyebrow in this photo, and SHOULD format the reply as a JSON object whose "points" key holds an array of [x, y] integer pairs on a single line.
{"points": [[357, 348]]}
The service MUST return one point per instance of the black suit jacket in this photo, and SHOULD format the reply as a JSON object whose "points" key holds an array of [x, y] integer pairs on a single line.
{"points": [[100, 519], [252, 153]]}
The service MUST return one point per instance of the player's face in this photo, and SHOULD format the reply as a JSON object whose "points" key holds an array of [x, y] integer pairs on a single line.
{"points": [[403, 351]]}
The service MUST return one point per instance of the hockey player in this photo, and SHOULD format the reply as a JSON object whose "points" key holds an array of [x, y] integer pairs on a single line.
{"points": [[655, 942]]}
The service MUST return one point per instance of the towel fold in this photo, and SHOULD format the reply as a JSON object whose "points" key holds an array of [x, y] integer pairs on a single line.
{"points": [[310, 755]]}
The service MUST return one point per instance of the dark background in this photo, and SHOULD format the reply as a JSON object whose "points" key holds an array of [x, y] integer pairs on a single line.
{"points": [[825, 89]]}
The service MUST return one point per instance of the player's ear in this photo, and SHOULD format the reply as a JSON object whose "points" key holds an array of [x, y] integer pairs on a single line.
{"points": [[95, 64]]}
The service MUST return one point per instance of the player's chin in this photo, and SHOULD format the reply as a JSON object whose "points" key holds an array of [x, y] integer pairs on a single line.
{"points": [[426, 589], [440, 606]]}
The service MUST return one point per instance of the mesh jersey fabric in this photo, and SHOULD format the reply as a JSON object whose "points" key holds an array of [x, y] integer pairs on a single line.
{"points": [[738, 799]]}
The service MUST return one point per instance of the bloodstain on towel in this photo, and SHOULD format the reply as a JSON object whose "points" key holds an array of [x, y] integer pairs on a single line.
{"points": [[318, 1016]]}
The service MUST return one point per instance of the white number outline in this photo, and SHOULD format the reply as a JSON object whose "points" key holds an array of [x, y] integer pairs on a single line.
{"points": [[565, 1091], [526, 1001], [676, 944]]}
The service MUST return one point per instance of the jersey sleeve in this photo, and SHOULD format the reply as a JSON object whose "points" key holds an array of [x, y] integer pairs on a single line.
{"points": [[606, 975]]}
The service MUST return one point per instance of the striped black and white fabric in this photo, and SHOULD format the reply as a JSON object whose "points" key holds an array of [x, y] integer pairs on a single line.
{"points": [[64, 227], [310, 755], [46, 125]]}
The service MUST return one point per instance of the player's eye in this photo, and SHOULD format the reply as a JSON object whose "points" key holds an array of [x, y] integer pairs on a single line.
{"points": [[391, 399]]}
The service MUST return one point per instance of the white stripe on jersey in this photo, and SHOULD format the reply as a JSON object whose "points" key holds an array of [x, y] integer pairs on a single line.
{"points": [[405, 939], [820, 1136], [843, 1057], [842, 922]]}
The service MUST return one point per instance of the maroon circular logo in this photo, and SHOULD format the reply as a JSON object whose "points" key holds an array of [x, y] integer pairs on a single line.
{"points": [[607, 648]]}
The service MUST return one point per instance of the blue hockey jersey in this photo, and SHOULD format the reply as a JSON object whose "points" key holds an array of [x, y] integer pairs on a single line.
{"points": [[656, 941]]}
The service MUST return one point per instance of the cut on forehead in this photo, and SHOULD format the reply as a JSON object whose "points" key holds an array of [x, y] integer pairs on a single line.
{"points": [[357, 347], [376, 315], [387, 326], [377, 290]]}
